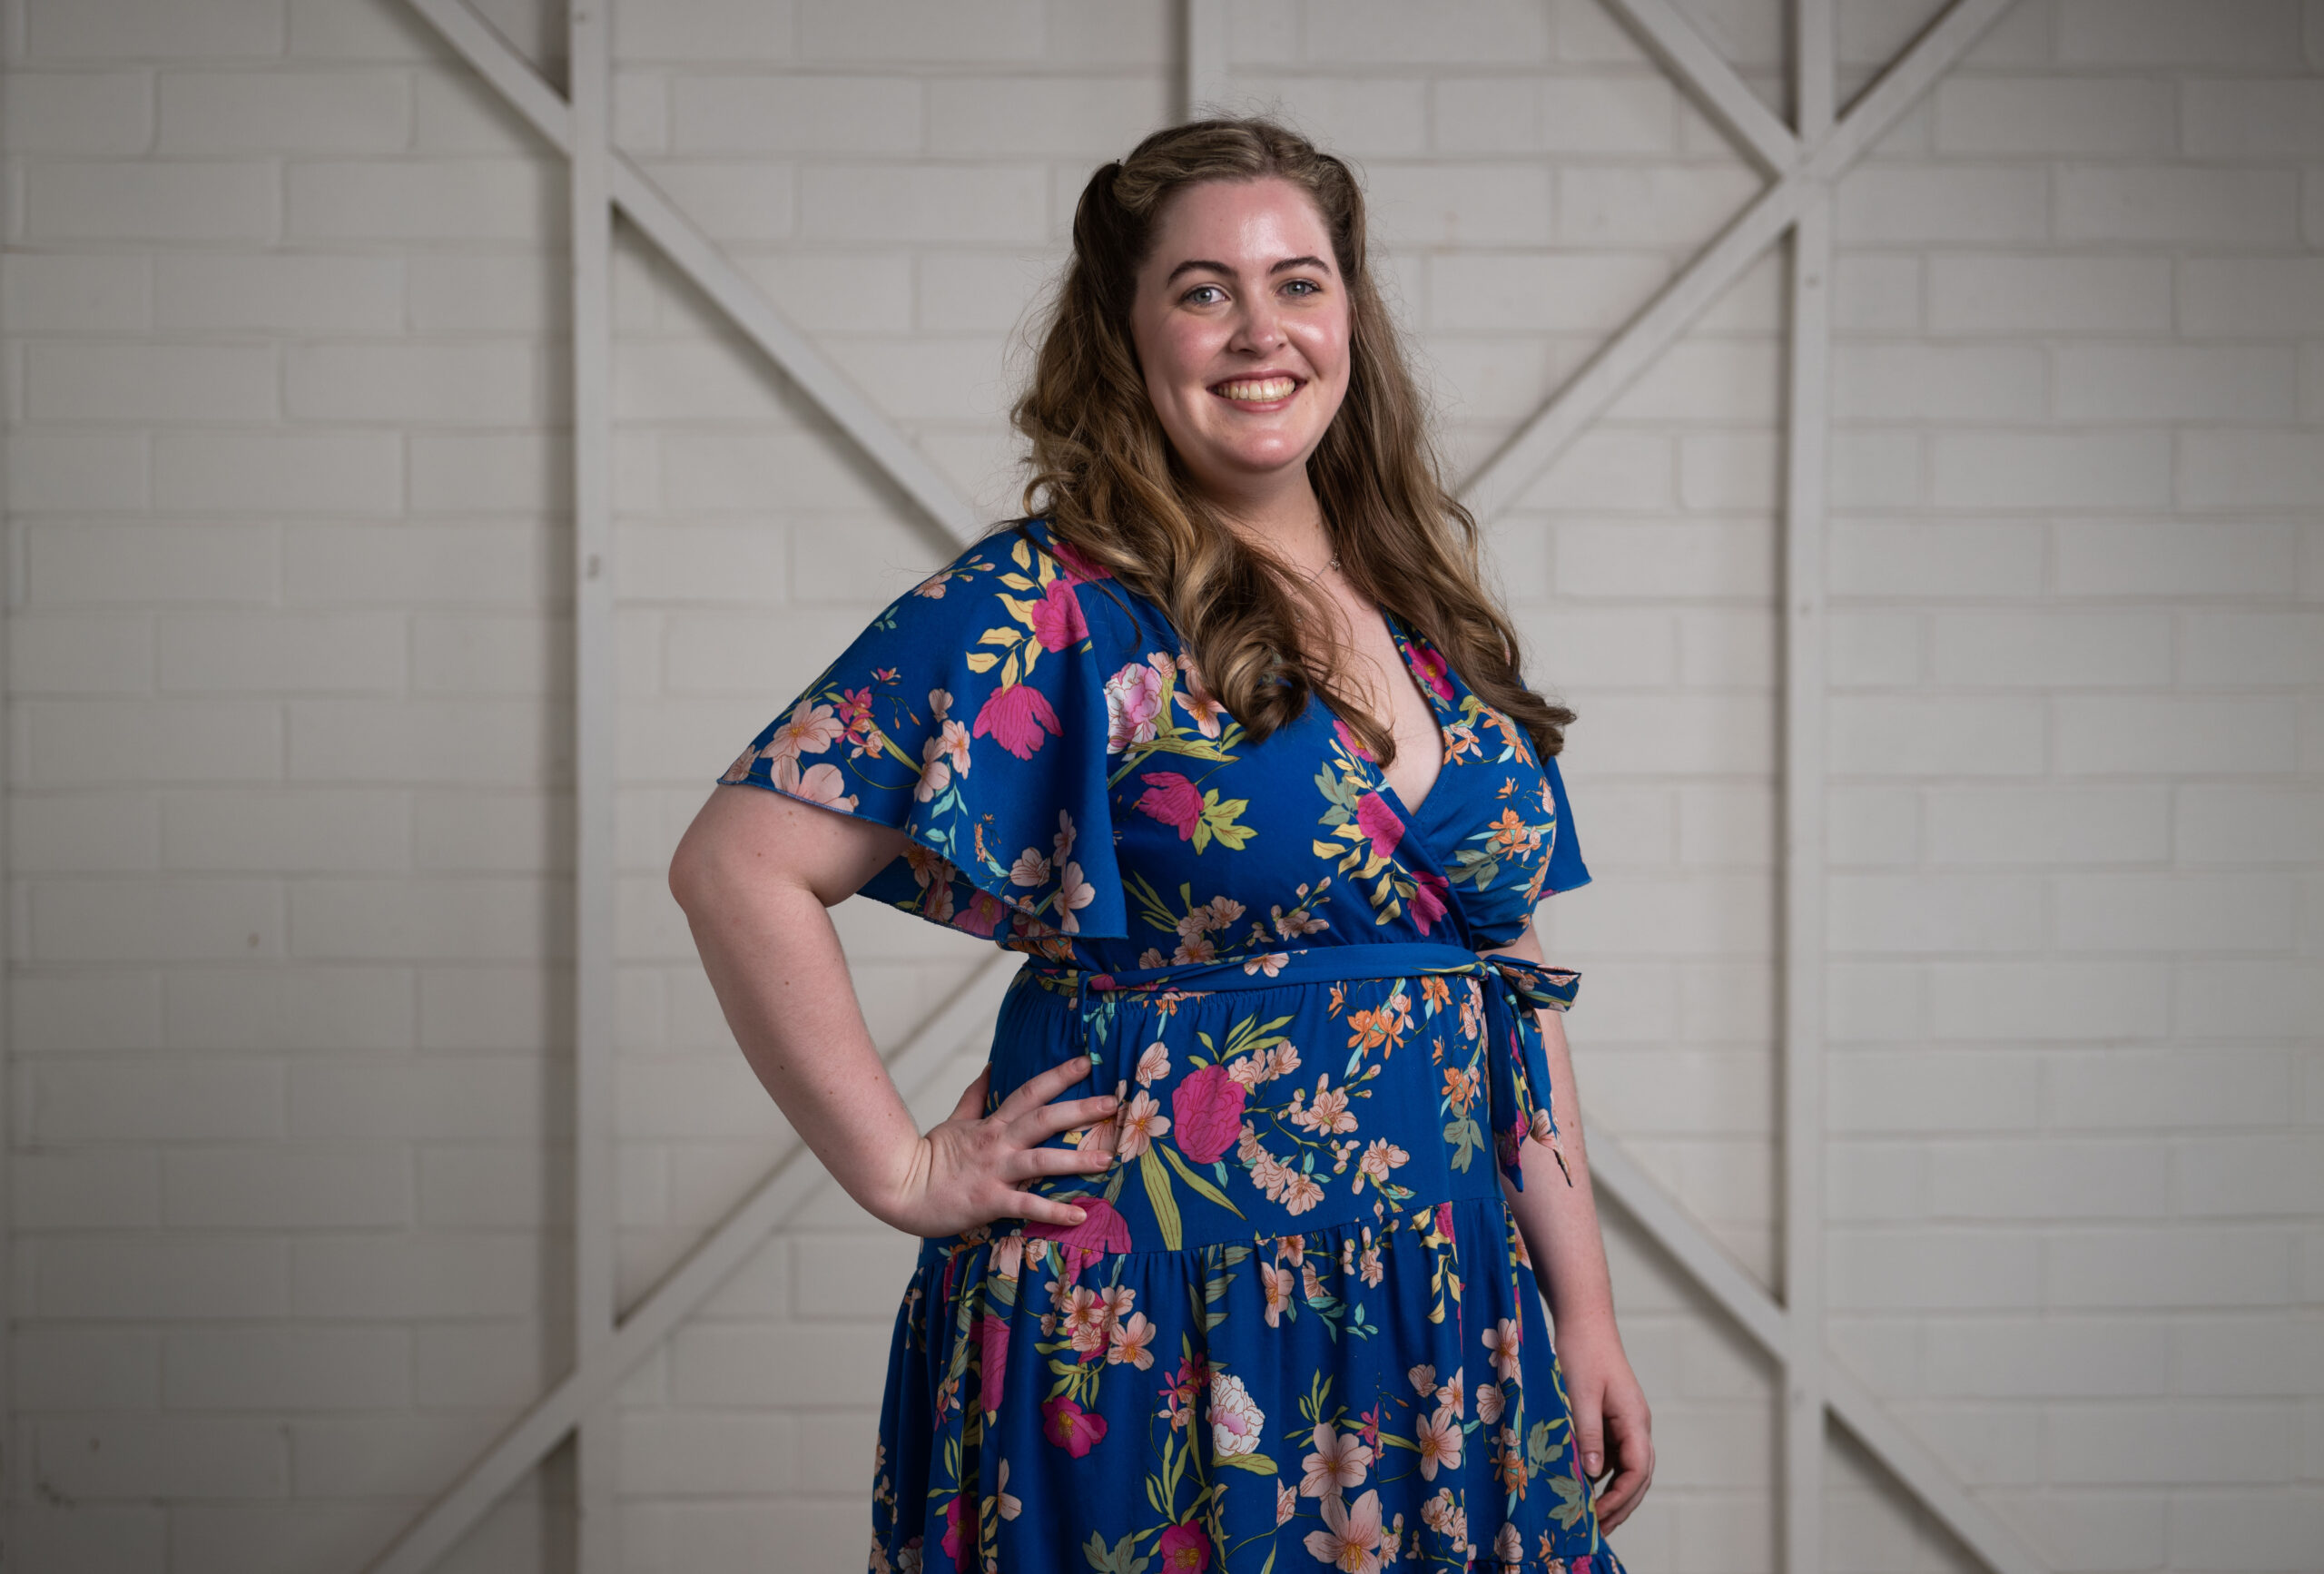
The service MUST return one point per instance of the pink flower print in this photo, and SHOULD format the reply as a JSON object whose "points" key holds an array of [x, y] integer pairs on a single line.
{"points": [[1079, 569], [1439, 1437], [952, 1529], [1141, 1122], [810, 729], [1173, 800], [1429, 901], [741, 769], [1184, 1549], [1490, 1402], [1354, 745], [1016, 717], [1030, 868], [1338, 1463], [817, 784], [1444, 1220], [1350, 1540], [1208, 714], [1503, 1340], [1236, 1421], [1209, 1110], [1103, 1231], [1058, 621], [1129, 1341], [1154, 1064], [1301, 1192], [1433, 672], [1061, 844], [936, 906], [1071, 1428], [1133, 701], [1073, 894], [1277, 1283], [935, 771], [981, 916], [1377, 820]]}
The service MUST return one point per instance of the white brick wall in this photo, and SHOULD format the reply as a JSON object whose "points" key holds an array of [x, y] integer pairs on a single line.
{"points": [[280, 324]]}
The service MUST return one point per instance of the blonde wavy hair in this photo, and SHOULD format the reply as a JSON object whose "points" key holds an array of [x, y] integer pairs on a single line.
{"points": [[1105, 476]]}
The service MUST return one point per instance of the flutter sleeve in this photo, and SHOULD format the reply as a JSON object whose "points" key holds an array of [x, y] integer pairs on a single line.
{"points": [[1566, 871], [971, 716]]}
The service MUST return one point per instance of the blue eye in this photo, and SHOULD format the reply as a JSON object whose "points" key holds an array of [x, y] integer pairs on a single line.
{"points": [[1305, 287], [1198, 290]]}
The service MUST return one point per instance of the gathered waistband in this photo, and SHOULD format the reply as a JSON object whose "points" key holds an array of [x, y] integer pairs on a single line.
{"points": [[1537, 984]]}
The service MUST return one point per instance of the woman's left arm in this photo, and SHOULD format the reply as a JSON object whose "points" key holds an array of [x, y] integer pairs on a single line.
{"points": [[1559, 1226]]}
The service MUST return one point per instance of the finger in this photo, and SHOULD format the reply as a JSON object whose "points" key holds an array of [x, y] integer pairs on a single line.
{"points": [[1044, 1123], [1621, 1495], [971, 1105], [1589, 1435], [1044, 1085], [1039, 1210], [1047, 1161]]}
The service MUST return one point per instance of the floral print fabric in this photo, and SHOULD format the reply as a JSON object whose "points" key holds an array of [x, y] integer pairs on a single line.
{"points": [[1296, 1328]]}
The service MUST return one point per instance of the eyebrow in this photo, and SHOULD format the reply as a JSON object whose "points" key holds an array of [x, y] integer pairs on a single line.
{"points": [[1315, 263]]}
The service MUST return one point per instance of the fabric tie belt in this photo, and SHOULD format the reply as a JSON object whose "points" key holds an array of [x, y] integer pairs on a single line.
{"points": [[1518, 1082]]}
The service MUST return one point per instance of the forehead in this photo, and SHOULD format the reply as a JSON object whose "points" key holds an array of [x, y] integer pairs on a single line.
{"points": [[1240, 223]]}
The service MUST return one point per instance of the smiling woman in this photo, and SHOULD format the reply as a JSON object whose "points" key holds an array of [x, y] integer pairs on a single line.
{"points": [[1227, 738]]}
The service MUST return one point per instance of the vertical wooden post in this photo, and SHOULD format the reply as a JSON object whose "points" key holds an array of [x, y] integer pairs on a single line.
{"points": [[589, 62]]}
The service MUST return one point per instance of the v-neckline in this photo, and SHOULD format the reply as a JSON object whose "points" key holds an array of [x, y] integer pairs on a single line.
{"points": [[1401, 644]]}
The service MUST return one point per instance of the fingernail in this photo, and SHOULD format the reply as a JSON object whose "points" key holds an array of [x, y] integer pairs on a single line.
{"points": [[1591, 1463], [1081, 1216]]}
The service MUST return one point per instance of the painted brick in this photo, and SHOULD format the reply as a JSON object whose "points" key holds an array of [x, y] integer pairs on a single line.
{"points": [[113, 1009], [2259, 1529], [2165, 557], [471, 382], [474, 1187], [2249, 297], [154, 29], [1644, 205], [115, 741], [2251, 649], [699, 1454], [2270, 826], [2045, 1180], [2065, 1358], [2101, 736], [435, 742], [371, 1276], [278, 290], [1878, 468], [527, 472], [289, 832], [81, 113], [1567, 114], [1937, 382], [2250, 468], [2059, 825], [287, 1369], [2163, 1268], [984, 30], [310, 112], [1972, 293], [2271, 999], [1943, 737], [80, 655], [1734, 560], [82, 833], [2053, 1001], [1728, 381], [2021, 116], [922, 202], [95, 1188], [77, 472], [386, 1456], [279, 472], [183, 200], [2179, 1444], [440, 565], [2228, 119], [432, 200], [1965, 558], [174, 1281], [1876, 650], [481, 294], [305, 1009], [2170, 203], [791, 114], [1927, 1270], [168, 1457], [472, 1098], [1876, 293], [341, 651], [66, 292], [85, 1370], [736, 202], [705, 30], [2052, 651], [2032, 470], [1097, 117], [1382, 30], [1957, 205], [182, 920], [2177, 382], [288, 1189], [1872, 914], [2249, 1177], [149, 382], [1871, 826], [2176, 33], [2166, 1089], [485, 919]]}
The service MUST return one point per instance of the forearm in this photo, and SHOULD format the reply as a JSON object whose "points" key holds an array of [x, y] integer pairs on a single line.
{"points": [[1560, 1222]]}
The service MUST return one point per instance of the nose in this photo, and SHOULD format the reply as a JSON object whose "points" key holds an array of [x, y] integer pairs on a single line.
{"points": [[1258, 330]]}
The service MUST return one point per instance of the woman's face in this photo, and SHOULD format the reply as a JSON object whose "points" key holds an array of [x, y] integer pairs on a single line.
{"points": [[1241, 324]]}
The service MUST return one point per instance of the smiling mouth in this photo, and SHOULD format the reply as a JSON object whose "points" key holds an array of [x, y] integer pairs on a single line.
{"points": [[1257, 390]]}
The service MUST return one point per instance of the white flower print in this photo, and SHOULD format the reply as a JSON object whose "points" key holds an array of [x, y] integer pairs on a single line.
{"points": [[1235, 1420], [1133, 704], [1154, 1064]]}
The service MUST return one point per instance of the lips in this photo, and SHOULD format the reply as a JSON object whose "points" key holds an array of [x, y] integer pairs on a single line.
{"points": [[1259, 390]]}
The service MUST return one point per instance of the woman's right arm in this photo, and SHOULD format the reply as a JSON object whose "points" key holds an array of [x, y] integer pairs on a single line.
{"points": [[755, 873]]}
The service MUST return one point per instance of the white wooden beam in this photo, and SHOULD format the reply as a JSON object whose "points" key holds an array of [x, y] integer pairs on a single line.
{"points": [[715, 273], [788, 1187], [1680, 49], [595, 768], [1536, 445], [1204, 87]]}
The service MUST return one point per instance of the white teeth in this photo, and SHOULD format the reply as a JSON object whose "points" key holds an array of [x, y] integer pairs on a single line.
{"points": [[1263, 390]]}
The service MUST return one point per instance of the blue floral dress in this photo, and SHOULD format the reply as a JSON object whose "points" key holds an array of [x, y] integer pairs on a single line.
{"points": [[1297, 1328]]}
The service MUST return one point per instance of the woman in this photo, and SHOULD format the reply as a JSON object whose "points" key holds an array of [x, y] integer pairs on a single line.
{"points": [[1218, 1267]]}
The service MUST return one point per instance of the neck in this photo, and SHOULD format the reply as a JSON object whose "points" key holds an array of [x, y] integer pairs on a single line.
{"points": [[1287, 522]]}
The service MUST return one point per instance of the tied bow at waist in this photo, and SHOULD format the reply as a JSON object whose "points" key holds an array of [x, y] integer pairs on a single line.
{"points": [[1518, 1082]]}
